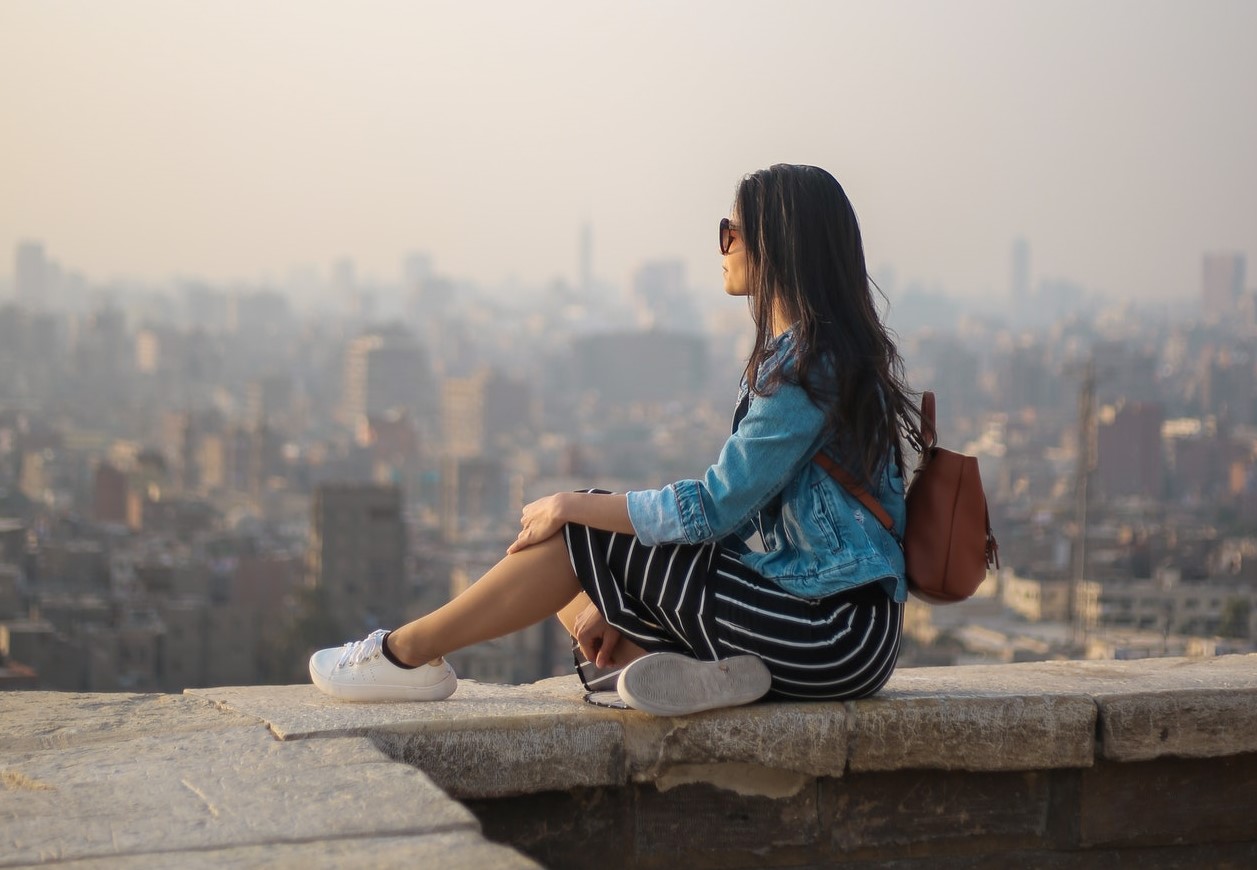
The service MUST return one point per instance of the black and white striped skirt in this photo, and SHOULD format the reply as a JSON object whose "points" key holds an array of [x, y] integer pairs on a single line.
{"points": [[700, 600]]}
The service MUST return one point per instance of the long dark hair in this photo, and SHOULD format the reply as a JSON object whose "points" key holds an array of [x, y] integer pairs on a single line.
{"points": [[805, 258]]}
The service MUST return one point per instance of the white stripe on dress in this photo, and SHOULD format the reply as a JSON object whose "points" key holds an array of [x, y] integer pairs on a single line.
{"points": [[743, 605]]}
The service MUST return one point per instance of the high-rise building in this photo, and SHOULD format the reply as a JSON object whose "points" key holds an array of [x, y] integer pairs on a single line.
{"points": [[1222, 285], [385, 370], [1129, 461], [477, 412], [357, 553], [1020, 287], [646, 366], [30, 274], [585, 280]]}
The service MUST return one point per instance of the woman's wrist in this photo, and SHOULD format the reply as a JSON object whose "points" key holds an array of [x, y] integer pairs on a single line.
{"points": [[565, 509]]}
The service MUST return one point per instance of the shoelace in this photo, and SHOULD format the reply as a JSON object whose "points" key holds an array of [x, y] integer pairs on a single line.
{"points": [[359, 651]]}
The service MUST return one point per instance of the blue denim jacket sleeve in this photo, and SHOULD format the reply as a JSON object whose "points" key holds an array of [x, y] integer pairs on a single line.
{"points": [[780, 433]]}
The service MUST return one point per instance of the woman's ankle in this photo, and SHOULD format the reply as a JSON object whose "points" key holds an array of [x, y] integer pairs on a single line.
{"points": [[404, 655]]}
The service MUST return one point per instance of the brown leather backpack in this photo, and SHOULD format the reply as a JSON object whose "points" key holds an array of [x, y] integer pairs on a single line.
{"points": [[948, 545]]}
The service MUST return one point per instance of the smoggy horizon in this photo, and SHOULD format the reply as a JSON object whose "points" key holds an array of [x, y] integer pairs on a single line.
{"points": [[233, 141]]}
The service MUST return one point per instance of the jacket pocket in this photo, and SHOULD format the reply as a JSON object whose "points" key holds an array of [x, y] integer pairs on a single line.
{"points": [[826, 518]]}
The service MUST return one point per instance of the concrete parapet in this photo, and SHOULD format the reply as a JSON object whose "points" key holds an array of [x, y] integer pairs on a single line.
{"points": [[113, 780], [978, 766]]}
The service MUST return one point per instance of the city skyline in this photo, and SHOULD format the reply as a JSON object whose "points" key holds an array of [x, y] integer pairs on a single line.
{"points": [[232, 142]]}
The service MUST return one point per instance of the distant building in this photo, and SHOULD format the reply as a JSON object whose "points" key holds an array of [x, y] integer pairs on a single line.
{"points": [[1167, 604], [1036, 600], [1124, 373], [1228, 386], [1019, 288], [357, 553], [475, 493], [1222, 286], [30, 274], [648, 366], [479, 411], [384, 371], [661, 298], [109, 495], [1130, 460]]}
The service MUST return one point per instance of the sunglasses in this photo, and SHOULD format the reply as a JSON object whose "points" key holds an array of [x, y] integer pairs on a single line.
{"points": [[727, 230]]}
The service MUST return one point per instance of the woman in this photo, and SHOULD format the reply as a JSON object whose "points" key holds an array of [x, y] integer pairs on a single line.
{"points": [[765, 577]]}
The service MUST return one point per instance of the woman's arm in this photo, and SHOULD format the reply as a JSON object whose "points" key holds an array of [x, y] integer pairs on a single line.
{"points": [[546, 516], [780, 433]]}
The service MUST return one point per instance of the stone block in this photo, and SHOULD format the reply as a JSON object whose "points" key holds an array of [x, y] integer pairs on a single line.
{"points": [[970, 732], [496, 758], [1169, 801], [1092, 678], [1192, 723], [704, 826], [209, 790], [809, 739], [458, 850], [53, 720], [301, 711], [565, 830], [888, 813]]}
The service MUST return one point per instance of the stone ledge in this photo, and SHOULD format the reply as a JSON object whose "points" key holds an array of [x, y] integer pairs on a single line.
{"points": [[112, 780], [495, 741], [285, 776]]}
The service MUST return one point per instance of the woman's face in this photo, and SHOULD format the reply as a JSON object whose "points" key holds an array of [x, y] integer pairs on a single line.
{"points": [[734, 252]]}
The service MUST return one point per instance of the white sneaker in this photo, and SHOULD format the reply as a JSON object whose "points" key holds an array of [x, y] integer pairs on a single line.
{"points": [[671, 684], [359, 671]]}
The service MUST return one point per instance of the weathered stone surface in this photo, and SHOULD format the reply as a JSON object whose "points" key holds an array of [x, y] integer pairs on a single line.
{"points": [[1018, 732], [810, 739], [51, 720], [1097, 679], [714, 827], [209, 789], [872, 811], [1147, 709], [303, 711], [515, 756], [1194, 723], [460, 850], [487, 740], [1169, 801], [565, 830]]}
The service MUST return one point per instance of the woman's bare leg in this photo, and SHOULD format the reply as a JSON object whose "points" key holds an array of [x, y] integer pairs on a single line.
{"points": [[625, 650], [522, 589], [571, 610]]}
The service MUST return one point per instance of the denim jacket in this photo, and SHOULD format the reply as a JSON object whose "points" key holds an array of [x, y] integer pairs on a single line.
{"points": [[817, 538]]}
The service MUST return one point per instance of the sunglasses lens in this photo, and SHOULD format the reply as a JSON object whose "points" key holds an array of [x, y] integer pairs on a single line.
{"points": [[725, 240]]}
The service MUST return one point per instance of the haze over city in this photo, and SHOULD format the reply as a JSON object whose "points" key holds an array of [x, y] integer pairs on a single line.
{"points": [[238, 141]]}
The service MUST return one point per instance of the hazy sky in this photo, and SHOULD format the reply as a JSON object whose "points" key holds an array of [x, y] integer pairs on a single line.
{"points": [[234, 139]]}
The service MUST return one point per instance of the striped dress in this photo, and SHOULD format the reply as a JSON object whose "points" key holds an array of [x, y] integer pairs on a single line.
{"points": [[700, 600]]}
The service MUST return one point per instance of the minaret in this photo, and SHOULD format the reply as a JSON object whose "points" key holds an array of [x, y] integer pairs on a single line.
{"points": [[585, 279]]}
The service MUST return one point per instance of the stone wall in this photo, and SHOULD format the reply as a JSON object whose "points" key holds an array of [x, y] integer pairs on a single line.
{"points": [[1047, 764]]}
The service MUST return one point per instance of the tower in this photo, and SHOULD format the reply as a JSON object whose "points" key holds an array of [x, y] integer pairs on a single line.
{"points": [[586, 278], [1222, 285], [1019, 294], [30, 274]]}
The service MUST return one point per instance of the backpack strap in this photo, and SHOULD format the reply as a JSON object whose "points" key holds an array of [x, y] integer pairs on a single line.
{"points": [[929, 431], [840, 474]]}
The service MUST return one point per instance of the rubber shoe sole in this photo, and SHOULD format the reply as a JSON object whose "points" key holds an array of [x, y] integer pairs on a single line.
{"points": [[671, 684]]}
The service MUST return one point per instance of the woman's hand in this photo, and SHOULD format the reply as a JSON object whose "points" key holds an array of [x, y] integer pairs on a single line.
{"points": [[540, 520], [596, 639]]}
